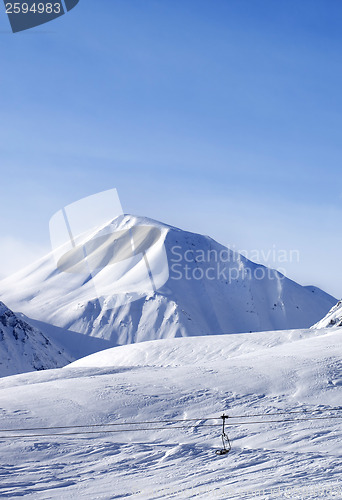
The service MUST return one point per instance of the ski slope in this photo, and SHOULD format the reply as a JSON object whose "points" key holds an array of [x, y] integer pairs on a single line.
{"points": [[181, 378], [210, 290]]}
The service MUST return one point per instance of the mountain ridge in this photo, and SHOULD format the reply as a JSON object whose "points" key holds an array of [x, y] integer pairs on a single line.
{"points": [[332, 319], [189, 303], [24, 348]]}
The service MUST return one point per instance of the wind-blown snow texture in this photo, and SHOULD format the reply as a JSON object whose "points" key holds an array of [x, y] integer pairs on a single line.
{"points": [[182, 307], [188, 378], [24, 348]]}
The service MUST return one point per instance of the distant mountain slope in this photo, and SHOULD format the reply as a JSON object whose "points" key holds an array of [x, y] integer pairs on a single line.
{"points": [[210, 290], [24, 348], [333, 318]]}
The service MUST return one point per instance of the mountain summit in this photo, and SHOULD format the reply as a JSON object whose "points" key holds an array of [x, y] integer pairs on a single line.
{"points": [[177, 284]]}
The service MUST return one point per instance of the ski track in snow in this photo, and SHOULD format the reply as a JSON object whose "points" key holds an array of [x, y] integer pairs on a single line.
{"points": [[180, 379], [162, 471]]}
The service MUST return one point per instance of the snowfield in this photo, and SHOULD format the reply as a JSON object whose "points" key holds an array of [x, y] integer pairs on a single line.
{"points": [[183, 378]]}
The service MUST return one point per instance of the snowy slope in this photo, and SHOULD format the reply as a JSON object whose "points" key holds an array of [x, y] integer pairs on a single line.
{"points": [[23, 348], [219, 292], [187, 378], [333, 318]]}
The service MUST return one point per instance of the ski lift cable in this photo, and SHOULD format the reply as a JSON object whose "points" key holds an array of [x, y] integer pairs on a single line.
{"points": [[171, 421], [105, 431], [303, 412]]}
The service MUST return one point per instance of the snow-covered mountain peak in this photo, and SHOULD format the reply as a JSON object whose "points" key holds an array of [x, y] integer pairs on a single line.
{"points": [[128, 221], [170, 283]]}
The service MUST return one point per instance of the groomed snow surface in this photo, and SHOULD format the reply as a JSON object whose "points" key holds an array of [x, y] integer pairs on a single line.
{"points": [[181, 378]]}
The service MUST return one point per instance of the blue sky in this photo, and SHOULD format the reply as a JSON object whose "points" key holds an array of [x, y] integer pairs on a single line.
{"points": [[221, 117]]}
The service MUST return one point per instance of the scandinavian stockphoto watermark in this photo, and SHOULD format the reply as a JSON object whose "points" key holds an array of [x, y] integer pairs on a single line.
{"points": [[116, 259], [27, 14], [228, 264], [113, 259]]}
